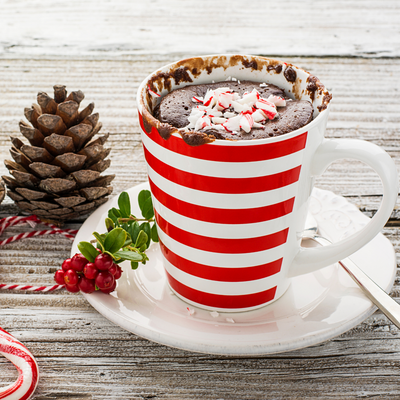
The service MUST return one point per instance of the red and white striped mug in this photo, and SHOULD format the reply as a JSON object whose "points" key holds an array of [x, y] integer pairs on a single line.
{"points": [[230, 213]]}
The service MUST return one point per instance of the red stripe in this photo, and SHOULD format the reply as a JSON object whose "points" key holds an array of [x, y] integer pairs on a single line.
{"points": [[54, 287], [222, 215], [222, 185], [11, 339], [218, 245], [35, 373], [237, 153], [219, 300], [221, 274], [12, 389]]}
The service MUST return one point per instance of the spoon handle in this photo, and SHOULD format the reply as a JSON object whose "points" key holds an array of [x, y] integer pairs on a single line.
{"points": [[375, 293]]}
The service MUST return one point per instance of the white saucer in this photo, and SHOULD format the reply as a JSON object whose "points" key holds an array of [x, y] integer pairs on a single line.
{"points": [[316, 307]]}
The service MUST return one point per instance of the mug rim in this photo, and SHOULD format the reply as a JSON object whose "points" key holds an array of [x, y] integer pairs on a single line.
{"points": [[315, 121]]}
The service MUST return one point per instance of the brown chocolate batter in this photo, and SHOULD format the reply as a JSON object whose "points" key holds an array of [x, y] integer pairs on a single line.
{"points": [[176, 107]]}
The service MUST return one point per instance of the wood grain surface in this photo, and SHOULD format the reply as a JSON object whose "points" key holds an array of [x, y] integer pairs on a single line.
{"points": [[106, 49], [356, 28]]}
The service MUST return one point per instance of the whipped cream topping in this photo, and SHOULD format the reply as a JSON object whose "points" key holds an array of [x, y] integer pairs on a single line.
{"points": [[224, 109]]}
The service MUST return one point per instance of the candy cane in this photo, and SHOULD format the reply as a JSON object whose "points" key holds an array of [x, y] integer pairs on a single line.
{"points": [[32, 219], [26, 235], [31, 288], [10, 221], [11, 348], [26, 365]]}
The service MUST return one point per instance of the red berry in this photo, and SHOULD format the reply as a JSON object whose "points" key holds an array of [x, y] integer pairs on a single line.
{"points": [[104, 280], [66, 265], [103, 262], [71, 277], [90, 271], [118, 273], [110, 289], [59, 277], [87, 285], [72, 288], [113, 268], [78, 261]]}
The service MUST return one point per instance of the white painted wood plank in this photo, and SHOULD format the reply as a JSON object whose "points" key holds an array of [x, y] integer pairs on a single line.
{"points": [[362, 28]]}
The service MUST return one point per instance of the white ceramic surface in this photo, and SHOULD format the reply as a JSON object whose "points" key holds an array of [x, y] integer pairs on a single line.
{"points": [[316, 307]]}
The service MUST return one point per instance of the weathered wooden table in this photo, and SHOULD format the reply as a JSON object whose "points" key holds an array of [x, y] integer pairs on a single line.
{"points": [[106, 49]]}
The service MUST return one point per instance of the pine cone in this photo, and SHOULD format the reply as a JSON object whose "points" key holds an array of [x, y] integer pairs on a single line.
{"points": [[2, 191], [57, 176]]}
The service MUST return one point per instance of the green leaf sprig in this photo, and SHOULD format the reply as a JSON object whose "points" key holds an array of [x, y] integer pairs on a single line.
{"points": [[127, 237]]}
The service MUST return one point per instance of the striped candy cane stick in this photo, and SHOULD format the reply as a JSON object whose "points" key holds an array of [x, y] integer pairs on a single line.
{"points": [[10, 221], [69, 233], [31, 288], [32, 220], [26, 365], [26, 235]]}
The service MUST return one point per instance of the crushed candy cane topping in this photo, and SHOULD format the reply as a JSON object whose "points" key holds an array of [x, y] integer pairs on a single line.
{"points": [[214, 314], [152, 93], [223, 109], [190, 311]]}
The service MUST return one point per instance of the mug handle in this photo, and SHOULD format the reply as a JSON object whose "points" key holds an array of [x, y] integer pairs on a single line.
{"points": [[310, 259]]}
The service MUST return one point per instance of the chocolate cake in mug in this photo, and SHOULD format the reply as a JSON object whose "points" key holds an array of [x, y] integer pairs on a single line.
{"points": [[234, 110]]}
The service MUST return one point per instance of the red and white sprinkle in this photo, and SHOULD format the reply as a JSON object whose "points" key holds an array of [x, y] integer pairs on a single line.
{"points": [[229, 114], [233, 124], [278, 101], [267, 108], [152, 93], [197, 99], [246, 122], [225, 100], [190, 311], [218, 120], [258, 116], [208, 97]]}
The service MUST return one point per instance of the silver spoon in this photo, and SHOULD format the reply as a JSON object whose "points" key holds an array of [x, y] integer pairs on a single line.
{"points": [[375, 293]]}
